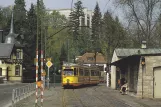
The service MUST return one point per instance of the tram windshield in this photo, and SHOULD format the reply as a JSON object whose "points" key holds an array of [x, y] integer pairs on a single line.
{"points": [[68, 72]]}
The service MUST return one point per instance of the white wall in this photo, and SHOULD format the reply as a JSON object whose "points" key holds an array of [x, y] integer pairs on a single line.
{"points": [[66, 13], [113, 71]]}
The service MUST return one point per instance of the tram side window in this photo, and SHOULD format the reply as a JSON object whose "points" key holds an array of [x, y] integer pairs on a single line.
{"points": [[75, 71], [92, 72], [86, 72], [95, 73], [81, 72]]}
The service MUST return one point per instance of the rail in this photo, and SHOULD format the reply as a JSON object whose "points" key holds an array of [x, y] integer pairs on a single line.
{"points": [[22, 92]]}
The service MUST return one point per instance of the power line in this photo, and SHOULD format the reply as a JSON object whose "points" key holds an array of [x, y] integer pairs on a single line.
{"points": [[71, 5], [106, 5]]}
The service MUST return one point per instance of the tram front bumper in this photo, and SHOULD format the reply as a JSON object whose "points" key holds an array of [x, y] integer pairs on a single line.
{"points": [[70, 84]]}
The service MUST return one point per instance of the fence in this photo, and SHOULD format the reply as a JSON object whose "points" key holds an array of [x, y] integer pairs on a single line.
{"points": [[55, 79], [22, 92], [25, 91]]}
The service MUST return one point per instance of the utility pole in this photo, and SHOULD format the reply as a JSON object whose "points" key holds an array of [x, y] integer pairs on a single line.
{"points": [[45, 54], [48, 78], [39, 63], [68, 50], [42, 52]]}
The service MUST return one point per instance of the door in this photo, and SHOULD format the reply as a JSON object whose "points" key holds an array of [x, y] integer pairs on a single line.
{"points": [[157, 82], [0, 71]]}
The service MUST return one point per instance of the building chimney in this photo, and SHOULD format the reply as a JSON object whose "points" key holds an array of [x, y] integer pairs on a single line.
{"points": [[143, 45]]}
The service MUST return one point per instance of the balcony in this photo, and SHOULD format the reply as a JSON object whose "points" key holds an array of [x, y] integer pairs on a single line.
{"points": [[14, 61]]}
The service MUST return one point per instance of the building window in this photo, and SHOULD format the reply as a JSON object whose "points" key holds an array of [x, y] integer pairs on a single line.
{"points": [[0, 71], [88, 21], [17, 70], [90, 58], [18, 54], [82, 21]]}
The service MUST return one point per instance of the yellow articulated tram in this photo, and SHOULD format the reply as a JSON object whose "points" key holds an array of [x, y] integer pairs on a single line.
{"points": [[77, 75]]}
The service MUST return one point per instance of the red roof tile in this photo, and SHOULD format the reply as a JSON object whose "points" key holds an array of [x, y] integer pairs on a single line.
{"points": [[89, 58]]}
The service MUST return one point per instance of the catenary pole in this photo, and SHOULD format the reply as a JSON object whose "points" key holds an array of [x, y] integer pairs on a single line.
{"points": [[37, 55]]}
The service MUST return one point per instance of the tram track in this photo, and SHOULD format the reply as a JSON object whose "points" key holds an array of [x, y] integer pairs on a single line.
{"points": [[106, 100], [78, 98], [100, 99], [114, 101], [74, 95], [109, 101], [63, 99]]}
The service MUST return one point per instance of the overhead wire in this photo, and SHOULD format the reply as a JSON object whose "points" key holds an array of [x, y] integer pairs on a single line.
{"points": [[71, 6], [106, 5]]}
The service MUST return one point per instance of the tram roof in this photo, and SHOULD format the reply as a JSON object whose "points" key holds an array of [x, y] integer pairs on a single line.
{"points": [[70, 64], [79, 65]]}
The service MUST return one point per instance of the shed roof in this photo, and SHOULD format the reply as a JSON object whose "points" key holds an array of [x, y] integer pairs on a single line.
{"points": [[128, 52], [6, 50]]}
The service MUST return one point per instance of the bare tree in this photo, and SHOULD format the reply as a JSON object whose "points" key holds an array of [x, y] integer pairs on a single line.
{"points": [[143, 14]]}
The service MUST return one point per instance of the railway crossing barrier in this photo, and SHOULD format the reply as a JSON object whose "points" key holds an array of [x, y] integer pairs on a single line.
{"points": [[22, 92], [39, 89]]}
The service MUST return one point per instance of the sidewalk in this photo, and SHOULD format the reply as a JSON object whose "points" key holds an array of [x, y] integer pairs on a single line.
{"points": [[52, 98], [132, 100], [11, 83]]}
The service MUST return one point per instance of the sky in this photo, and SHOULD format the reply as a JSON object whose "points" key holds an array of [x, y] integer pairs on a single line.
{"points": [[61, 4]]}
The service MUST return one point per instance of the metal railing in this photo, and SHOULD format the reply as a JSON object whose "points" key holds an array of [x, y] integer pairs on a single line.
{"points": [[22, 92]]}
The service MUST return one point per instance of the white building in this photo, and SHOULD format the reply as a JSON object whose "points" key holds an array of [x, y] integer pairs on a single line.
{"points": [[87, 19]]}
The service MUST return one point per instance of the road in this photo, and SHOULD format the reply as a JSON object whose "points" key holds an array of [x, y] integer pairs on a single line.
{"points": [[93, 96], [6, 93]]}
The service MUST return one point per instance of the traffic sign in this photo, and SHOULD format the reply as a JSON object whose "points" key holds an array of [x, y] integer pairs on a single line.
{"points": [[48, 59], [43, 74], [49, 64]]}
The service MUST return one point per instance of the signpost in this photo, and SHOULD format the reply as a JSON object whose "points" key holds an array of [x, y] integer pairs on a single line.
{"points": [[48, 64]]}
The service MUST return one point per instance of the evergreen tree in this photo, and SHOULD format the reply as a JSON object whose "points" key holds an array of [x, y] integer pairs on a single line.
{"points": [[75, 17], [75, 28], [5, 20], [1, 18], [96, 27], [113, 35], [19, 16], [63, 55], [32, 28], [42, 23]]}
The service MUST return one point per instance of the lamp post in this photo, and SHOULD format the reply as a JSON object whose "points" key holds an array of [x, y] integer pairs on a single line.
{"points": [[1, 34], [54, 76]]}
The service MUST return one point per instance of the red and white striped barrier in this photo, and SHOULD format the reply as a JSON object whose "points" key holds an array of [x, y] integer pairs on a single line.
{"points": [[36, 75], [39, 84], [42, 77]]}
